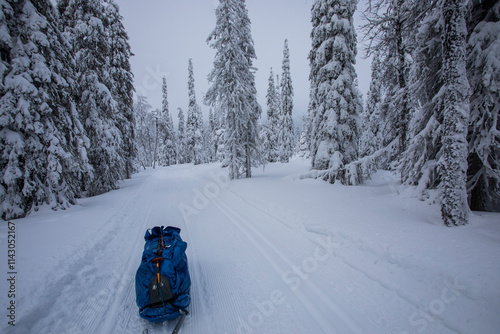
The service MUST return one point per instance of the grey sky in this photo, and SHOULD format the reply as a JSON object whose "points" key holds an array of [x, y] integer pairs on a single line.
{"points": [[164, 34]]}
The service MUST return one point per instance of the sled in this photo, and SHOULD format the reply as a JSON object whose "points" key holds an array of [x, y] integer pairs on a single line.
{"points": [[162, 282]]}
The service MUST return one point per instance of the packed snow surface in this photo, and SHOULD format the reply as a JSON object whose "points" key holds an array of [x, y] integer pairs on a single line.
{"points": [[270, 254]]}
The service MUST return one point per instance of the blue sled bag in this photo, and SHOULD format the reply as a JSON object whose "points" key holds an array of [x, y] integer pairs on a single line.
{"points": [[162, 282]]}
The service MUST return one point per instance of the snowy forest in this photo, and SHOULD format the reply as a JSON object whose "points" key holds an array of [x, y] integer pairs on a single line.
{"points": [[72, 127]]}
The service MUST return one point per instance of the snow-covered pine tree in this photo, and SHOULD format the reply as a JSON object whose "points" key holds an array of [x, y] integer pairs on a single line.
{"points": [[371, 138], [390, 31], [156, 121], [168, 150], [270, 133], [286, 122], [419, 163], [42, 144], [233, 86], [264, 141], [181, 142], [122, 81], [453, 163], [145, 132], [191, 116], [484, 126], [336, 103], [220, 152], [296, 139], [308, 121], [303, 149], [194, 124], [278, 106], [212, 136], [84, 22], [201, 144]]}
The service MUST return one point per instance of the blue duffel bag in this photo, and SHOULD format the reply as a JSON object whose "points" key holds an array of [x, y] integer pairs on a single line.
{"points": [[162, 282]]}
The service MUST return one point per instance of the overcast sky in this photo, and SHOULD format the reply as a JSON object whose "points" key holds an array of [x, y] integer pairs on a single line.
{"points": [[164, 34]]}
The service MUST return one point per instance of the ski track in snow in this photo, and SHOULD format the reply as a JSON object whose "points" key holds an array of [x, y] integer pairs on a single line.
{"points": [[94, 280], [318, 306], [255, 267], [350, 295]]}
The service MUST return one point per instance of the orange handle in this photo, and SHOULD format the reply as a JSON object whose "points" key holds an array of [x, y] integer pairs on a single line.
{"points": [[158, 271]]}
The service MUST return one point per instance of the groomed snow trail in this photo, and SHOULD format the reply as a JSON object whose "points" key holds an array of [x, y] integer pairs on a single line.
{"points": [[257, 264]]}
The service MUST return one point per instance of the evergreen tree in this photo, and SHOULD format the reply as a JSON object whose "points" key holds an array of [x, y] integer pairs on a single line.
{"points": [[122, 82], [391, 29], [270, 134], [278, 106], [233, 86], [296, 139], [303, 147], [194, 124], [201, 144], [145, 132], [453, 163], [264, 141], [371, 139], [168, 150], [483, 175], [336, 103], [85, 24], [181, 143], [220, 152], [286, 122], [419, 163], [212, 136], [42, 144]]}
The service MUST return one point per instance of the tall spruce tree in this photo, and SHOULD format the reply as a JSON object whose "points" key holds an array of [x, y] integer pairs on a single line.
{"points": [[168, 151], [335, 100], [277, 103], [212, 136], [270, 133], [371, 139], [286, 121], [122, 88], [145, 132], [194, 123], [181, 143], [233, 86], [42, 144], [84, 22], [303, 145]]}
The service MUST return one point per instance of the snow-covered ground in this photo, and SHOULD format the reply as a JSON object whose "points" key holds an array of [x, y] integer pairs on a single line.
{"points": [[270, 254]]}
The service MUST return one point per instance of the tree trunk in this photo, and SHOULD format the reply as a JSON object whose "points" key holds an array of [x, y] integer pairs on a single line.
{"points": [[454, 207], [404, 105]]}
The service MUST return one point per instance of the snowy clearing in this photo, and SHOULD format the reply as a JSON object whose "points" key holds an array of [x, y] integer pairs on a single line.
{"points": [[270, 254]]}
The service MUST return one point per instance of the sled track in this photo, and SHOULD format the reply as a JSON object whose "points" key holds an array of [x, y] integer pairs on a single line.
{"points": [[386, 320], [398, 295], [84, 281], [202, 321], [124, 300], [351, 295], [326, 313]]}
